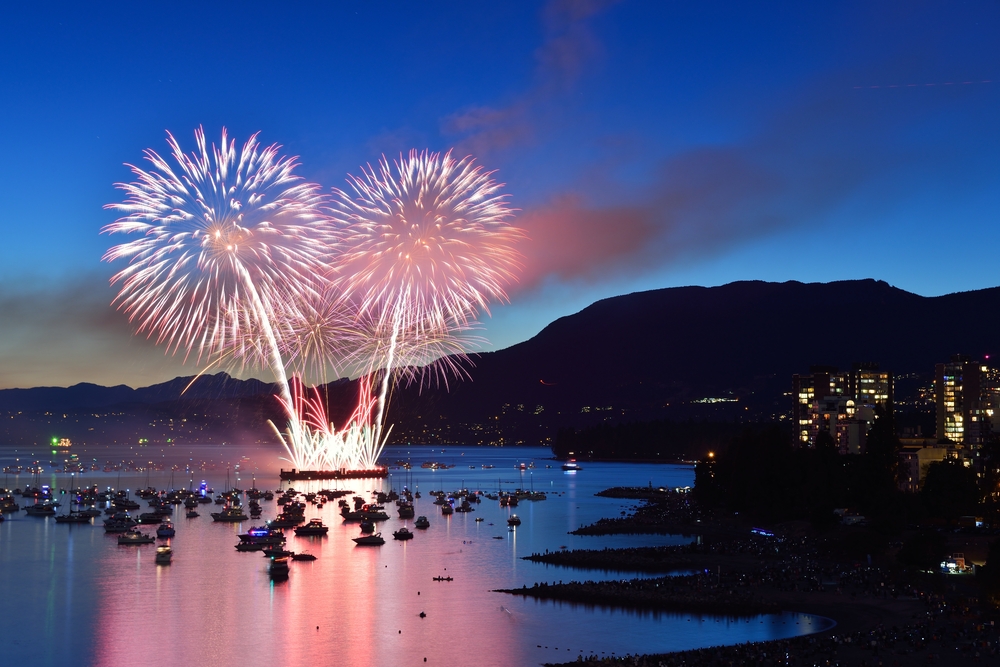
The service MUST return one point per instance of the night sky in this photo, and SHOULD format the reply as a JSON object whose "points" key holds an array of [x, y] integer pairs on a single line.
{"points": [[646, 144]]}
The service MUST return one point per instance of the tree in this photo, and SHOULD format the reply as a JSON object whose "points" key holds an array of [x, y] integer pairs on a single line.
{"points": [[950, 490], [988, 576]]}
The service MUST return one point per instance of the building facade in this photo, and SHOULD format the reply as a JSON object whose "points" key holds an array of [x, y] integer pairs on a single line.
{"points": [[964, 401], [841, 403]]}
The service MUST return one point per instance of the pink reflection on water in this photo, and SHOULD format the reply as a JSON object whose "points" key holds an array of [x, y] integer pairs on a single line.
{"points": [[352, 606]]}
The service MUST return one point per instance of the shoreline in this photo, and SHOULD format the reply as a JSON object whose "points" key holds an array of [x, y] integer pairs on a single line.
{"points": [[882, 614]]}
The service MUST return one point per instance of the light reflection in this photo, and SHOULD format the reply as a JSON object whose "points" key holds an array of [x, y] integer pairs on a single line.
{"points": [[219, 606]]}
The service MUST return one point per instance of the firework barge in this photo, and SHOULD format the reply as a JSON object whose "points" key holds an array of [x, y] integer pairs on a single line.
{"points": [[343, 473]]}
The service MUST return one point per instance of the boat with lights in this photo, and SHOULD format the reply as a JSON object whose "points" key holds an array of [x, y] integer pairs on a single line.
{"points": [[230, 515], [279, 567], [135, 537], [314, 527], [263, 535]]}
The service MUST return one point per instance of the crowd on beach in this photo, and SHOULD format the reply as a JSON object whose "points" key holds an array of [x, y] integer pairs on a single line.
{"points": [[941, 631], [944, 635], [784, 566], [665, 510]]}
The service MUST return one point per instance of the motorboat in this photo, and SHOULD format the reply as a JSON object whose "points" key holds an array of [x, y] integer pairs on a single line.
{"points": [[119, 523], [571, 466], [303, 556], [402, 534], [447, 509], [284, 521], [405, 510], [135, 537], [265, 535], [479, 518], [369, 540], [514, 520], [8, 504], [73, 517], [278, 568], [230, 515], [250, 546], [191, 514], [40, 509], [163, 555], [277, 552], [165, 530], [314, 527], [443, 578], [367, 526], [421, 522]]}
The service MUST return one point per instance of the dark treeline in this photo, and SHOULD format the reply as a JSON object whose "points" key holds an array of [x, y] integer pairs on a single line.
{"points": [[645, 441], [762, 473]]}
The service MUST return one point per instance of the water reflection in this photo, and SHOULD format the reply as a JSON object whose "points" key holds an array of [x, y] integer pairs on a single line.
{"points": [[89, 601]]}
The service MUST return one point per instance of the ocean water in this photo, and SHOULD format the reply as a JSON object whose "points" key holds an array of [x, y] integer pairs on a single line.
{"points": [[74, 597]]}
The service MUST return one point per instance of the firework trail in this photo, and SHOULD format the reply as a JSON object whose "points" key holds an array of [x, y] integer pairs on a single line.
{"points": [[426, 245], [234, 259]]}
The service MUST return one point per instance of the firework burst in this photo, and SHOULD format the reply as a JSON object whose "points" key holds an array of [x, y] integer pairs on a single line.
{"points": [[234, 259], [218, 233], [427, 240]]}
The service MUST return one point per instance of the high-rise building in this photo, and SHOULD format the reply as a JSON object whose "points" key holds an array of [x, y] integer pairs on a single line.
{"points": [[822, 381], [964, 401], [871, 387]]}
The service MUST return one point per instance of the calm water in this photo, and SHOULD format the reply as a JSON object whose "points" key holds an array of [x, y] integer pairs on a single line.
{"points": [[74, 597]]}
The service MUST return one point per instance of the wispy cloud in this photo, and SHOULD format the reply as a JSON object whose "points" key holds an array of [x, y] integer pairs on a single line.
{"points": [[64, 334], [802, 165], [569, 47]]}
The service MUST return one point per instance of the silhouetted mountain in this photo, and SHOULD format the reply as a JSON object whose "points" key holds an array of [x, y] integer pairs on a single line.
{"points": [[648, 355], [86, 395], [641, 353]]}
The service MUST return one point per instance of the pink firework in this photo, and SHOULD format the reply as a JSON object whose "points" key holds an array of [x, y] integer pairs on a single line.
{"points": [[218, 233], [426, 245], [427, 241]]}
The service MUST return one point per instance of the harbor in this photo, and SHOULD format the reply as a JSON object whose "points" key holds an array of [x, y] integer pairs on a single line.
{"points": [[365, 600]]}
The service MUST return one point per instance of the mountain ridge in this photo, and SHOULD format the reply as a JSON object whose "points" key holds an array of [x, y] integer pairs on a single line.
{"points": [[644, 355]]}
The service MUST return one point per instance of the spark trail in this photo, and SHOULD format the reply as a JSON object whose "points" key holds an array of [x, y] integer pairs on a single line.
{"points": [[237, 258]]}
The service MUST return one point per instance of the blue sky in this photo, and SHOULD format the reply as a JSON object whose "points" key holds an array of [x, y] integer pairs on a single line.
{"points": [[647, 144]]}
